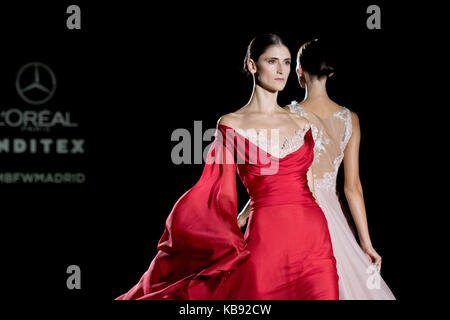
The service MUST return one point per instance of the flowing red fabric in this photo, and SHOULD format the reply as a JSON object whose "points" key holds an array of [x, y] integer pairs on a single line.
{"points": [[286, 252]]}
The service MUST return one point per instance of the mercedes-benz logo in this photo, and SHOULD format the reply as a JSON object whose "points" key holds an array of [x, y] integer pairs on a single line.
{"points": [[35, 83]]}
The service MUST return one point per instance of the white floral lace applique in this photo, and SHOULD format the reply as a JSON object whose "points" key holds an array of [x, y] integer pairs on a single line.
{"points": [[327, 182], [319, 140], [348, 127], [294, 142], [271, 146], [325, 164]]}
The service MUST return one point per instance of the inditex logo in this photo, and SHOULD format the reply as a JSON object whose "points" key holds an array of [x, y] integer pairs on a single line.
{"points": [[35, 83]]}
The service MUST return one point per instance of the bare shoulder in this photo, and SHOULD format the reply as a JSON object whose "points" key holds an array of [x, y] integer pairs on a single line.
{"points": [[301, 121], [355, 118], [298, 119], [231, 119], [356, 130]]}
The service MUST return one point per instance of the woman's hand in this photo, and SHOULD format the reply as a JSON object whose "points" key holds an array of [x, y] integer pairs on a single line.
{"points": [[242, 220], [373, 256], [243, 216]]}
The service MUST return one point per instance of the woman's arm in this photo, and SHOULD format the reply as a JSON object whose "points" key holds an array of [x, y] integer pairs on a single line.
{"points": [[243, 216], [354, 192], [231, 121]]}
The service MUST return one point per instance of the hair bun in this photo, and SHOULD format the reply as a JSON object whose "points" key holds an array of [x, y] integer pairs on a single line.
{"points": [[314, 57], [325, 70]]}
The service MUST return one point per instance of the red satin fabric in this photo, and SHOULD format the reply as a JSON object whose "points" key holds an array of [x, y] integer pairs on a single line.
{"points": [[286, 252]]}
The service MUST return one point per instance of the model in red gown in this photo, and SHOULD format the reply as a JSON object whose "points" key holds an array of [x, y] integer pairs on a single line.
{"points": [[286, 251]]}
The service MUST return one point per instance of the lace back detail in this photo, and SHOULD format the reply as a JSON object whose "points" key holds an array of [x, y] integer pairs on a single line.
{"points": [[331, 136]]}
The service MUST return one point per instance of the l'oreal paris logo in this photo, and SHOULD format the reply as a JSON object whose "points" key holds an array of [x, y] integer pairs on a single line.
{"points": [[36, 85], [34, 119]]}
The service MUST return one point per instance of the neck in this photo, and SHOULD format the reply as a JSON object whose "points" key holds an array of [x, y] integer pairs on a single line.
{"points": [[316, 90], [263, 100]]}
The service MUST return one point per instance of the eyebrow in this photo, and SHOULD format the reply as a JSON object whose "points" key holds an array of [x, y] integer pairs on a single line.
{"points": [[278, 58]]}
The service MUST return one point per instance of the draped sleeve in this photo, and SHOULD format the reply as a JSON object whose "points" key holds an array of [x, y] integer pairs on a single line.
{"points": [[202, 243]]}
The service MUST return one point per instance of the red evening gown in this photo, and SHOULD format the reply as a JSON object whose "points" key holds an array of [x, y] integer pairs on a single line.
{"points": [[286, 252]]}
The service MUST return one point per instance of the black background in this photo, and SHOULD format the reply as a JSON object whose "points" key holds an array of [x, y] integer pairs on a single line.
{"points": [[134, 73]]}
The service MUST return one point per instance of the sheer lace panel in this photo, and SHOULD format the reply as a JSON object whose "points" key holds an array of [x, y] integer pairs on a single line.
{"points": [[272, 145], [331, 136]]}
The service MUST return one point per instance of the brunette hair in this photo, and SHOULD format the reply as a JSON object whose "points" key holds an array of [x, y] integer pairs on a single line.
{"points": [[314, 56], [258, 46]]}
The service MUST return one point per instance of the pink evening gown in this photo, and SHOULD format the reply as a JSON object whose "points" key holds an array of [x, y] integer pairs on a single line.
{"points": [[358, 277]]}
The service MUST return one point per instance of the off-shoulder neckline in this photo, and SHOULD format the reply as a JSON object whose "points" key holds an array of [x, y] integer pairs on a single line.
{"points": [[306, 130]]}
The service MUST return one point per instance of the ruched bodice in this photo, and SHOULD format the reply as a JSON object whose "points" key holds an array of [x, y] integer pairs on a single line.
{"points": [[278, 181]]}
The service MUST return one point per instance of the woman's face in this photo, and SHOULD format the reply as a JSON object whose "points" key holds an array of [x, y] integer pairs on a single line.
{"points": [[273, 68]]}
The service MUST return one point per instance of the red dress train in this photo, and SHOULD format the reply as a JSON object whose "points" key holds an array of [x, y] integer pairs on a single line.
{"points": [[286, 252]]}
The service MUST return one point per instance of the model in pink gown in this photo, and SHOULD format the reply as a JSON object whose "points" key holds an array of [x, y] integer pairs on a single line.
{"points": [[358, 277]]}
